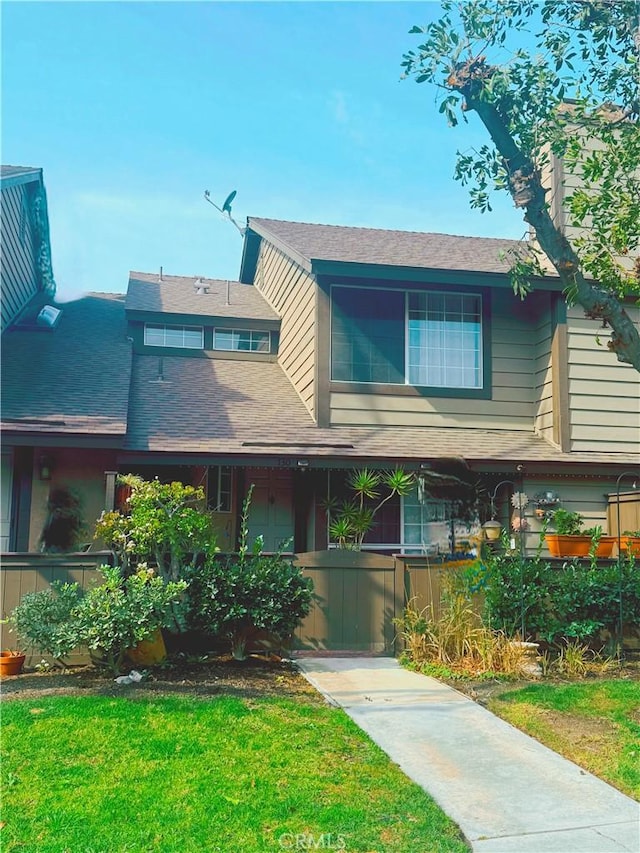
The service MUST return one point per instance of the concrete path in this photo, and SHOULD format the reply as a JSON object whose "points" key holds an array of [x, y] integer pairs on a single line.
{"points": [[507, 792]]}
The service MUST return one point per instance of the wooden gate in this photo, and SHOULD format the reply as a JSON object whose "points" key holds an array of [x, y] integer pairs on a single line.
{"points": [[357, 594]]}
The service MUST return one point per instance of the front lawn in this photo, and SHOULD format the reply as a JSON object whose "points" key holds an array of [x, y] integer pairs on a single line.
{"points": [[188, 773], [596, 725]]}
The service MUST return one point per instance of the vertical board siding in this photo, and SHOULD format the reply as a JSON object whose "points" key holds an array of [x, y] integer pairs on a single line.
{"points": [[292, 293], [19, 278], [513, 404], [604, 395], [357, 595]]}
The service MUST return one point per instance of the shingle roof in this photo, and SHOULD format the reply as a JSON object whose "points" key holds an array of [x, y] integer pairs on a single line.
{"points": [[73, 379], [219, 406], [13, 171], [391, 248], [177, 295]]}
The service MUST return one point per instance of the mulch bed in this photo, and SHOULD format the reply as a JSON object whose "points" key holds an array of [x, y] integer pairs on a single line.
{"points": [[257, 677]]}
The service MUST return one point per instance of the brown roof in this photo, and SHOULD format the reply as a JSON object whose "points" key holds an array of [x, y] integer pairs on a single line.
{"points": [[177, 295], [249, 408], [72, 379], [391, 248]]}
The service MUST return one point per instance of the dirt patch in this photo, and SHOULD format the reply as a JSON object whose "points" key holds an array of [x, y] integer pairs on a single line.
{"points": [[251, 679]]}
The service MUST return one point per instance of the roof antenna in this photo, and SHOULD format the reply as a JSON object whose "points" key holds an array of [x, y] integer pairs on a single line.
{"points": [[228, 293], [225, 210], [160, 277]]}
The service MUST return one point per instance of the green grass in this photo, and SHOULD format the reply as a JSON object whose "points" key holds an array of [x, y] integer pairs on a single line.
{"points": [[92, 774], [596, 725]]}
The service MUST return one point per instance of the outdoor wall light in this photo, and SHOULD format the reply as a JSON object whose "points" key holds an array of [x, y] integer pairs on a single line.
{"points": [[44, 467], [302, 463]]}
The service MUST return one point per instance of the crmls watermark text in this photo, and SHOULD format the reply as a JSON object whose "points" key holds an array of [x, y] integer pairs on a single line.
{"points": [[307, 841]]}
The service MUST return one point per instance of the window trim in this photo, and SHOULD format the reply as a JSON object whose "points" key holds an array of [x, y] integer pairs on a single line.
{"points": [[483, 392], [164, 327]]}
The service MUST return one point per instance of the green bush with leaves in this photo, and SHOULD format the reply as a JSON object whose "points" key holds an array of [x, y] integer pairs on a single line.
{"points": [[108, 619], [248, 592], [576, 601], [121, 612], [165, 522], [45, 620]]}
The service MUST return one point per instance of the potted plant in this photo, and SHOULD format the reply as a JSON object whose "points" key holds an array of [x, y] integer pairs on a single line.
{"points": [[630, 542], [11, 660], [569, 539], [601, 545]]}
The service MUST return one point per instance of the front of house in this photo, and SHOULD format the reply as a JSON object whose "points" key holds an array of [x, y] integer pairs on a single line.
{"points": [[338, 348]]}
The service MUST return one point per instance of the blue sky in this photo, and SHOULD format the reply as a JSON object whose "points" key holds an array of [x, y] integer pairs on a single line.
{"points": [[134, 109]]}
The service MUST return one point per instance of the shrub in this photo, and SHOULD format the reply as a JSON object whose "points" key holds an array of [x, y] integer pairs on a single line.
{"points": [[247, 592], [108, 618], [116, 615], [44, 620], [166, 522], [576, 602]]}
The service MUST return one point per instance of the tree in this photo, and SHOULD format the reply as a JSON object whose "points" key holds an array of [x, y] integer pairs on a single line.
{"points": [[576, 94]]}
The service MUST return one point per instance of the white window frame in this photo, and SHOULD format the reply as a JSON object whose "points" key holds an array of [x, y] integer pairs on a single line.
{"points": [[164, 328], [235, 339]]}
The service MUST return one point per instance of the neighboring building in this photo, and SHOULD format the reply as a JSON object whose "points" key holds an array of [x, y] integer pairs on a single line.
{"points": [[339, 348], [26, 280], [25, 262]]}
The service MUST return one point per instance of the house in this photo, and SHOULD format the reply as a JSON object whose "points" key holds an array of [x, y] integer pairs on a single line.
{"points": [[26, 279], [338, 348]]}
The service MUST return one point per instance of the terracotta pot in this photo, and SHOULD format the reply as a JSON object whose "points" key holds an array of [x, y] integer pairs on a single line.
{"points": [[630, 544], [605, 546], [150, 651], [11, 663], [568, 546]]}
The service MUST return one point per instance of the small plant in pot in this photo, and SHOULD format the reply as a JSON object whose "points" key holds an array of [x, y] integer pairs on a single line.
{"points": [[630, 542], [568, 540], [11, 660]]}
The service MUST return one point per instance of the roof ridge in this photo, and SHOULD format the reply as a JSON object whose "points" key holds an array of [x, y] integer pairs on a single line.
{"points": [[386, 230]]}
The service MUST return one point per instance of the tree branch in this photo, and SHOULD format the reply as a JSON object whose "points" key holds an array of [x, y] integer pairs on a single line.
{"points": [[526, 189]]}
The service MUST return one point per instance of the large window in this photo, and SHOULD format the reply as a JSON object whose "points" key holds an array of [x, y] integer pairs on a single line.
{"points": [[238, 340], [182, 337], [423, 338]]}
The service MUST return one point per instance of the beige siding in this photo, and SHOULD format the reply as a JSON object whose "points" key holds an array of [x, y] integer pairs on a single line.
{"points": [[604, 395], [513, 404], [292, 293], [587, 495], [543, 376], [19, 280]]}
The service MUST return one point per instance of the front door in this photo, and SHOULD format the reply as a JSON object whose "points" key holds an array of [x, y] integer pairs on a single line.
{"points": [[271, 513]]}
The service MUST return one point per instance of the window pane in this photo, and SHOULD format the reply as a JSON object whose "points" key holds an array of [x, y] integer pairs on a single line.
{"points": [[243, 340], [191, 337], [154, 336], [445, 340], [367, 335]]}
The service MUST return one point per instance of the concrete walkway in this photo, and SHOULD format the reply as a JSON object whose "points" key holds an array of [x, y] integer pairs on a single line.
{"points": [[507, 792]]}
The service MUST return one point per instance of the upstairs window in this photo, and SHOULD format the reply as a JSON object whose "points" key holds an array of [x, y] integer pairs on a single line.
{"points": [[182, 337], [419, 338], [240, 340]]}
